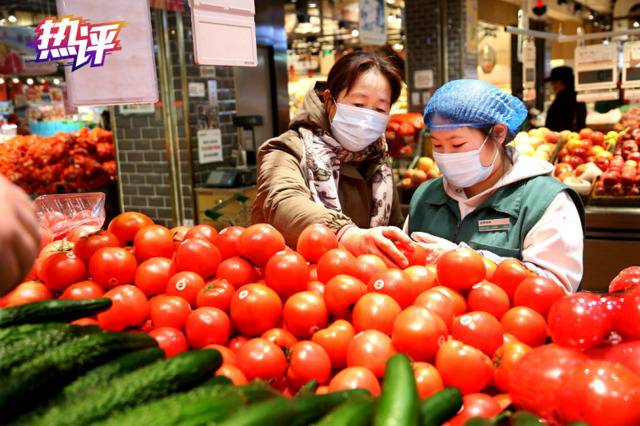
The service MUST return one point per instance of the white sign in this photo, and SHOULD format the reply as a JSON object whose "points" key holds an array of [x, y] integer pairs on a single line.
{"points": [[197, 90], [423, 79], [137, 109], [373, 22], [212, 87], [596, 67], [209, 146]]}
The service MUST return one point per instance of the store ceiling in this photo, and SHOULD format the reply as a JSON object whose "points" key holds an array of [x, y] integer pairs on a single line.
{"points": [[567, 12]]}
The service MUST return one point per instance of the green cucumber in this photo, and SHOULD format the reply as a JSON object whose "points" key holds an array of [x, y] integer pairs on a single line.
{"points": [[479, 421], [440, 407], [399, 403], [148, 383], [525, 418], [33, 382], [40, 342], [9, 335], [352, 413], [59, 310], [277, 411], [308, 388]]}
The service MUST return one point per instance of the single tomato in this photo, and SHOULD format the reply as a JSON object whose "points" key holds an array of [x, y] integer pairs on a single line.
{"points": [[341, 294], [539, 294], [204, 231], [335, 340], [236, 271], [83, 290], [490, 298], [460, 269], [259, 242], [227, 241], [130, 308], [418, 333], [86, 246], [255, 308], [186, 285], [464, 367], [336, 262], [153, 275], [125, 226], [287, 273], [60, 270], [509, 274], [370, 349], [216, 293], [480, 330], [112, 266], [305, 313], [504, 359], [526, 325], [427, 378], [207, 326], [281, 337], [170, 340], [169, 311], [199, 256], [368, 265], [261, 359], [309, 361], [355, 378], [395, 283], [375, 311], [314, 241]]}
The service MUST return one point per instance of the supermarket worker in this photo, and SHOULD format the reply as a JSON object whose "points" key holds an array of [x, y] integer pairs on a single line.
{"points": [[491, 198], [331, 167]]}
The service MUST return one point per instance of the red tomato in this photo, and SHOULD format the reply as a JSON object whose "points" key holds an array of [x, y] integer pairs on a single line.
{"points": [[83, 290], [370, 349], [199, 256], [205, 232], [627, 354], [480, 330], [153, 275], [627, 278], [153, 241], [526, 325], [287, 273], [281, 337], [207, 326], [186, 285], [130, 308], [503, 400], [125, 226], [217, 293], [628, 316], [367, 265], [341, 294], [504, 359], [228, 356], [227, 241], [488, 298], [259, 242], [428, 379], [60, 270], [85, 321], [461, 268], [80, 232], [464, 367], [170, 340], [355, 378], [579, 321], [316, 286], [417, 255], [538, 293], [476, 405], [236, 343], [305, 313], [86, 246], [335, 340], [438, 303], [375, 311], [538, 376], [459, 303], [113, 266], [309, 361], [418, 333], [28, 292], [236, 271], [255, 308], [178, 234], [395, 283], [600, 393], [336, 262], [261, 359], [422, 279], [232, 373], [314, 241], [509, 274], [169, 311]]}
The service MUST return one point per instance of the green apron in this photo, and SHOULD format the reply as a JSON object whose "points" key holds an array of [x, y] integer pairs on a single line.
{"points": [[499, 225]]}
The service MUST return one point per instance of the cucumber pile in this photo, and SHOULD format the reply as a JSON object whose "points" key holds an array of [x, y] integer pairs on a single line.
{"points": [[55, 374]]}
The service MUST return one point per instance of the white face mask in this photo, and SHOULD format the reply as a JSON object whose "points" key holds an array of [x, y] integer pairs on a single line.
{"points": [[464, 169], [356, 128]]}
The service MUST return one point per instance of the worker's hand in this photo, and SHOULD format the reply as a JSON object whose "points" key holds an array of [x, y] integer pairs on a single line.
{"points": [[379, 241], [19, 235], [432, 243]]}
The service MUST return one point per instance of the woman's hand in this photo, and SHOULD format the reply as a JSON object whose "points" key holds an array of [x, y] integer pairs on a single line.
{"points": [[19, 235], [433, 244], [379, 241]]}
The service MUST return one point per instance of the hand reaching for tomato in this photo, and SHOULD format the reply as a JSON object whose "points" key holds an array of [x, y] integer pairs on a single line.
{"points": [[19, 235], [432, 243], [379, 241]]}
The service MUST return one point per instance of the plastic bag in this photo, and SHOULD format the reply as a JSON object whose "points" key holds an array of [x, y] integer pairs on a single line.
{"points": [[60, 214]]}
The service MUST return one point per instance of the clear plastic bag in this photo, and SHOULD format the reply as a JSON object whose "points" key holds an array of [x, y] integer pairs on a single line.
{"points": [[62, 213]]}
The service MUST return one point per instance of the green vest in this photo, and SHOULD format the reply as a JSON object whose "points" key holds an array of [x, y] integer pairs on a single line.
{"points": [[499, 225]]}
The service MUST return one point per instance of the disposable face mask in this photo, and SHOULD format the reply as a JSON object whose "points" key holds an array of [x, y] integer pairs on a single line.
{"points": [[464, 169], [356, 128]]}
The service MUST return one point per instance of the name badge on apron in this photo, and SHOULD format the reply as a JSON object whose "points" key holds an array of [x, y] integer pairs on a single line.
{"points": [[492, 225]]}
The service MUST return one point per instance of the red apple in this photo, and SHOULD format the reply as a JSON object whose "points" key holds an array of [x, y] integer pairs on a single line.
{"points": [[597, 138], [600, 189], [562, 168], [580, 152], [634, 156], [552, 137], [602, 163], [586, 133], [610, 179]]}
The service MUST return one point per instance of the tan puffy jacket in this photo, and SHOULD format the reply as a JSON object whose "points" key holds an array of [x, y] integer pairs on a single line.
{"points": [[284, 199]]}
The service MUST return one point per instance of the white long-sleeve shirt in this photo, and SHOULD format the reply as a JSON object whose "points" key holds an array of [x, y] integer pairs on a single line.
{"points": [[553, 248]]}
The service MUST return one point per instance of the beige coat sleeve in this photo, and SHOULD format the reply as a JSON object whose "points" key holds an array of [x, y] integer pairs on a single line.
{"points": [[283, 198]]}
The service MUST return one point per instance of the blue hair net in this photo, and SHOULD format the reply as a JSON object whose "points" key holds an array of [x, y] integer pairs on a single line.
{"points": [[473, 103]]}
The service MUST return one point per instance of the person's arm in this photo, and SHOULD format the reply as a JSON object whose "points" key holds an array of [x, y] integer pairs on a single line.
{"points": [[284, 197], [553, 248], [19, 235]]}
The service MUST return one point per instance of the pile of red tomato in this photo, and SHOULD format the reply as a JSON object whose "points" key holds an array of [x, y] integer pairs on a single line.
{"points": [[320, 313]]}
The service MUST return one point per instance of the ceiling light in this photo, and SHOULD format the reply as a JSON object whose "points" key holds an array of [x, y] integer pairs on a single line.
{"points": [[398, 46], [12, 19], [56, 81], [15, 80], [29, 81], [1, 80], [355, 32], [636, 24], [312, 4]]}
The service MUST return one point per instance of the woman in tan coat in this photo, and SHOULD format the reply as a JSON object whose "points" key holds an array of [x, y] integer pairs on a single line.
{"points": [[332, 167]]}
